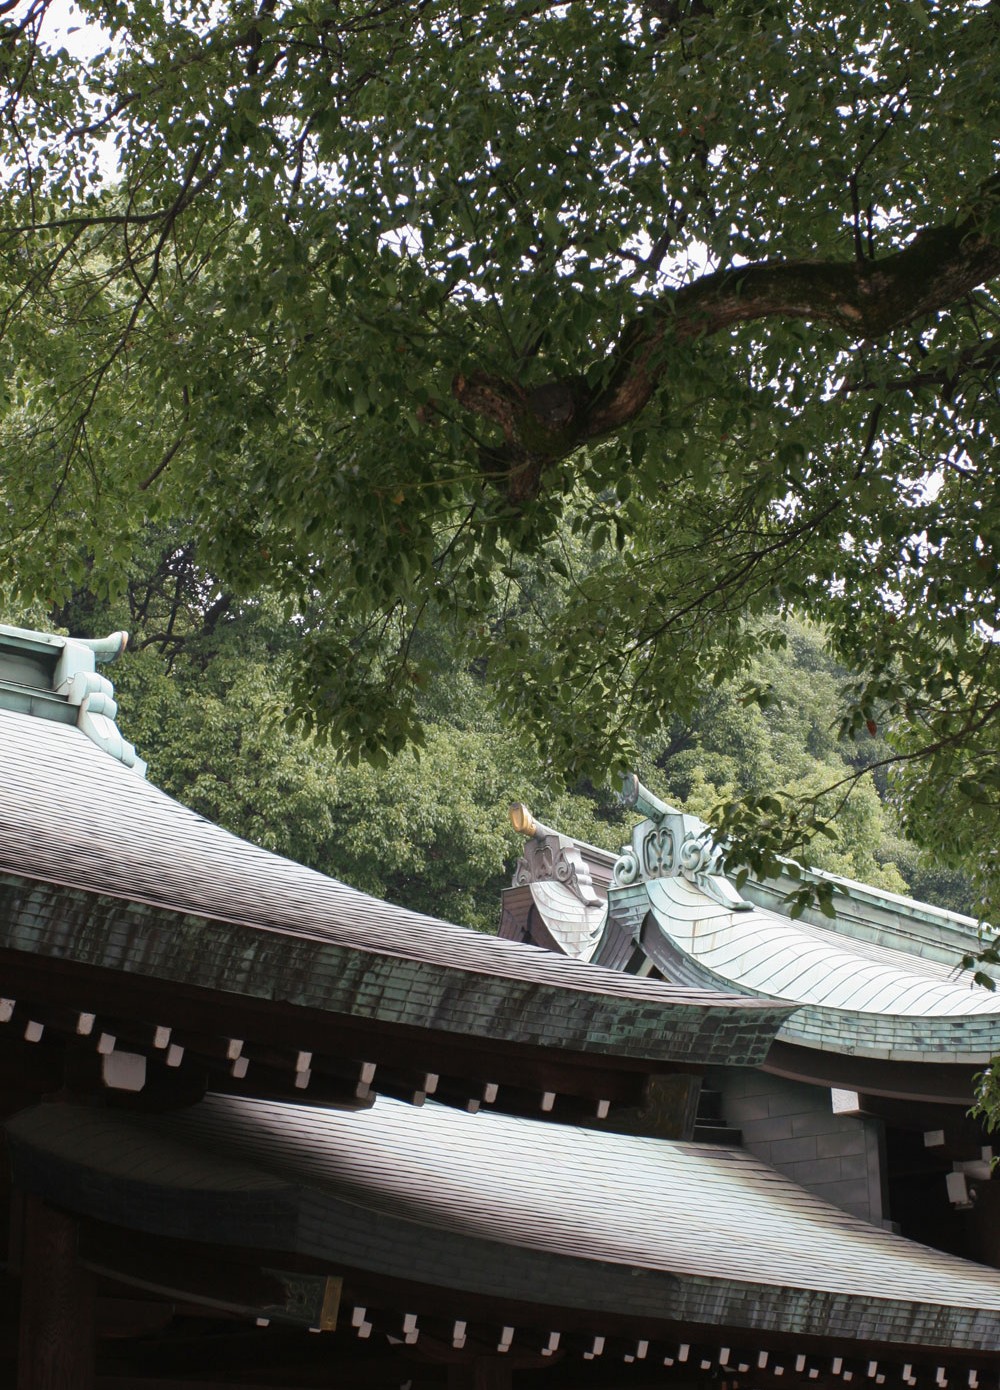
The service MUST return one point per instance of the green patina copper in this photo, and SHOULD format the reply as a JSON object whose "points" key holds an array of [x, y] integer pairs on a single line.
{"points": [[862, 912], [676, 927], [54, 677], [669, 842], [872, 914], [966, 1039], [48, 921]]}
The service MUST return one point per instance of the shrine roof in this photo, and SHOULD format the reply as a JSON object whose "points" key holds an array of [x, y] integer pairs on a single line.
{"points": [[863, 912], [854, 995], [509, 1208], [99, 867], [883, 979]]}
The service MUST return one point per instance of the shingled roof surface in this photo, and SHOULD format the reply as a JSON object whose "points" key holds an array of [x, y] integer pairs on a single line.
{"points": [[74, 818], [488, 1203], [854, 995], [811, 964]]}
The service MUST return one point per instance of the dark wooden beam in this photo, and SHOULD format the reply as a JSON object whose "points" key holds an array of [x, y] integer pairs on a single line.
{"points": [[230, 1281], [135, 1382], [56, 1339], [124, 1318], [937, 1082], [484, 1373], [135, 1003]]}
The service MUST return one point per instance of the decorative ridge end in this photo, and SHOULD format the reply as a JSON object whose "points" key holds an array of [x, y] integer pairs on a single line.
{"points": [[522, 820], [55, 677], [105, 649], [550, 856], [671, 844], [636, 797]]}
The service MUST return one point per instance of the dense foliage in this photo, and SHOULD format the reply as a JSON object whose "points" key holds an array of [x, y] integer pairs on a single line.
{"points": [[203, 692], [580, 336]]}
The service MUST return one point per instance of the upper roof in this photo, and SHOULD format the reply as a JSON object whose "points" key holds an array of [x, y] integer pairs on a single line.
{"points": [[854, 995], [103, 869]]}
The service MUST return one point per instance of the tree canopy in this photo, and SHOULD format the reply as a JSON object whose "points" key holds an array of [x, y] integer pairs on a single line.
{"points": [[584, 334]]}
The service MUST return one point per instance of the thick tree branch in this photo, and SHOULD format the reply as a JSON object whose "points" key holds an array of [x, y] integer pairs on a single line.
{"points": [[867, 300]]}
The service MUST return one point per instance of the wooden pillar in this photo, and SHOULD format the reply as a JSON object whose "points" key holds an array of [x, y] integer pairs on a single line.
{"points": [[56, 1341], [484, 1373]]}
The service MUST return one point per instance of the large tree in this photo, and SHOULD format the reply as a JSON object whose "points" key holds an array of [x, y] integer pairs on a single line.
{"points": [[593, 331]]}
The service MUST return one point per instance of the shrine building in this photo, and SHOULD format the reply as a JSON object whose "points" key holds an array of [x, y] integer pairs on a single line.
{"points": [[262, 1129]]}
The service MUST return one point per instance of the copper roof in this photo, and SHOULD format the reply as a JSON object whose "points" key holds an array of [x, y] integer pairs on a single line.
{"points": [[492, 1204], [138, 883]]}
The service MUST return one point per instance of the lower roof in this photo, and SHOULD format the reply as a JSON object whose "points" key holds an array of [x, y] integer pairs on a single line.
{"points": [[493, 1205]]}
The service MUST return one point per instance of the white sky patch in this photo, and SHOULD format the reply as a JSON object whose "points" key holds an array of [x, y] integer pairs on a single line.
{"points": [[405, 240], [65, 27]]}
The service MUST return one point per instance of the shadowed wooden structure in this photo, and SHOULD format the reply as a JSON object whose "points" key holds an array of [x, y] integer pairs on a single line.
{"points": [[864, 1094], [264, 1130]]}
